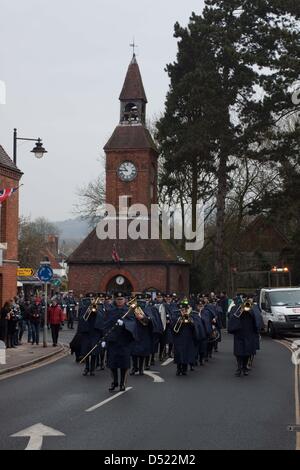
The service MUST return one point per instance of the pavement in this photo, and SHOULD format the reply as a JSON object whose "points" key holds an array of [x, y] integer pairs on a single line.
{"points": [[27, 355], [55, 407]]}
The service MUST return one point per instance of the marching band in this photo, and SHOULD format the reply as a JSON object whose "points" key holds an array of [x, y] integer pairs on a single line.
{"points": [[126, 333]]}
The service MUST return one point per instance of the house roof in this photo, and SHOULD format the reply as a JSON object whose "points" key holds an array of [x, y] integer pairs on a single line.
{"points": [[6, 162], [263, 235], [133, 88], [93, 250]]}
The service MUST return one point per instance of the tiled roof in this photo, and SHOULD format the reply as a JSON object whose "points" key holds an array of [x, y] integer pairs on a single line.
{"points": [[130, 136], [133, 88], [93, 250], [6, 161]]}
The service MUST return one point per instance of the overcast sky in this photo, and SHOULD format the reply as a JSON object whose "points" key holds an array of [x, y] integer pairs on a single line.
{"points": [[64, 63]]}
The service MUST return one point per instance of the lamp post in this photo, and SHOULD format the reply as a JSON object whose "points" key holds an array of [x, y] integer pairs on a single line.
{"points": [[38, 150]]}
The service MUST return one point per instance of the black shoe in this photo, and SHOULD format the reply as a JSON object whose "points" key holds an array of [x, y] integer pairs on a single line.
{"points": [[113, 387], [184, 373], [147, 368], [92, 374], [133, 371], [178, 372], [245, 372], [192, 369], [141, 372], [238, 373], [122, 388], [85, 372]]}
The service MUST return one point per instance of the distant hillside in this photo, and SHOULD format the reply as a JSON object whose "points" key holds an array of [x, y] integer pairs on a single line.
{"points": [[73, 229]]}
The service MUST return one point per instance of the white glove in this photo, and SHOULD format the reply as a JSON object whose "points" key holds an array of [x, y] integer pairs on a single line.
{"points": [[103, 344], [120, 322]]}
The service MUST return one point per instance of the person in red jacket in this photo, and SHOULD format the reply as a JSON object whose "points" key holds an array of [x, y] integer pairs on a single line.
{"points": [[55, 318]]}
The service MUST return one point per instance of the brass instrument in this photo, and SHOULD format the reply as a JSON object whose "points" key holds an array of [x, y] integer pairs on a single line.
{"points": [[140, 315], [245, 307], [92, 308], [183, 319]]}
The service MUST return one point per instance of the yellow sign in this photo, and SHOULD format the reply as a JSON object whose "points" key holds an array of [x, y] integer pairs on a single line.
{"points": [[25, 272]]}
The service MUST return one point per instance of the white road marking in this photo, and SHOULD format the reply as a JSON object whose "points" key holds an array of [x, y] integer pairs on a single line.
{"points": [[168, 361], [93, 408], [154, 376], [36, 433]]}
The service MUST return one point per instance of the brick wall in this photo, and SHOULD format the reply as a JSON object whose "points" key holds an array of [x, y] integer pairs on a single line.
{"points": [[146, 164], [93, 278], [9, 234]]}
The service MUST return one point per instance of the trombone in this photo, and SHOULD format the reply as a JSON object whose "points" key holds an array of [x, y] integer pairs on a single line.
{"points": [[183, 319], [92, 308]]}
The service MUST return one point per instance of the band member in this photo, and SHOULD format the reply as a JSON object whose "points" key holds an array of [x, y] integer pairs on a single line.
{"points": [[157, 329], [186, 337], [71, 305], [90, 328], [214, 326], [121, 331], [203, 346], [142, 347], [242, 324], [159, 305], [171, 308], [259, 325]]}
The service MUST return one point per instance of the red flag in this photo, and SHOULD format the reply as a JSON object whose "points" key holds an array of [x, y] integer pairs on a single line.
{"points": [[115, 256]]}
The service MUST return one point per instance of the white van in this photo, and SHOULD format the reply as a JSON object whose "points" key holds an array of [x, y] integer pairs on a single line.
{"points": [[280, 308]]}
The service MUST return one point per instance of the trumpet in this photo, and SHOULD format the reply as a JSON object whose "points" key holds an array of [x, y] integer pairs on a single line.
{"points": [[183, 319]]}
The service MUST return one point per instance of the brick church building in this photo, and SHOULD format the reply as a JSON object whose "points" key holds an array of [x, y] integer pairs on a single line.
{"points": [[131, 172], [9, 219]]}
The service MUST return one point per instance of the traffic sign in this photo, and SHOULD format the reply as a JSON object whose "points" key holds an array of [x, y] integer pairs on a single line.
{"points": [[45, 273], [56, 282], [25, 272]]}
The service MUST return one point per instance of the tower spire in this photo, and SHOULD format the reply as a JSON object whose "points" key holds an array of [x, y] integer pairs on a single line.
{"points": [[133, 97]]}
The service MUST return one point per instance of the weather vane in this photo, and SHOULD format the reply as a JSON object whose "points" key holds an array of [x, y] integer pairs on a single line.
{"points": [[133, 45]]}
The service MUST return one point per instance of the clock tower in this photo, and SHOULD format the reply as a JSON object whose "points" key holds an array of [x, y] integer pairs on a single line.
{"points": [[132, 265], [131, 155]]}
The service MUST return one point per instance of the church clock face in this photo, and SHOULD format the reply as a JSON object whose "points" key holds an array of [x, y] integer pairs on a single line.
{"points": [[127, 171]]}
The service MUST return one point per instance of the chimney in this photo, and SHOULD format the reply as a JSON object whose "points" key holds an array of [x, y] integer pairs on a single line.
{"points": [[53, 244]]}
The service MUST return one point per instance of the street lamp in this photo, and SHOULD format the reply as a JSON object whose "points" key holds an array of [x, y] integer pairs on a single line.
{"points": [[38, 150]]}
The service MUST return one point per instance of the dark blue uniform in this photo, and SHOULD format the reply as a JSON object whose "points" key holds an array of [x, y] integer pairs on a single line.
{"points": [[90, 330], [119, 341], [244, 329], [185, 342]]}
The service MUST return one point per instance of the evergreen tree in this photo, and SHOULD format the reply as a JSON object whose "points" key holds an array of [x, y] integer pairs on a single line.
{"points": [[230, 89]]}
